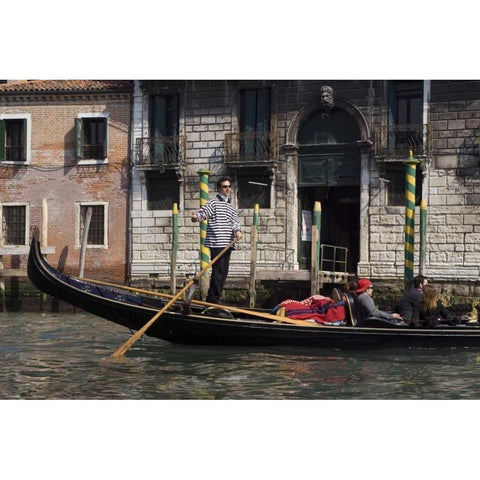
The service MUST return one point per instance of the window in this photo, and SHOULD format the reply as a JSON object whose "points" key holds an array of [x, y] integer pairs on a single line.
{"points": [[407, 133], [91, 138], [394, 173], [406, 104], [97, 231], [406, 114], [163, 124], [14, 224], [253, 187], [15, 138], [163, 115], [255, 123], [162, 190]]}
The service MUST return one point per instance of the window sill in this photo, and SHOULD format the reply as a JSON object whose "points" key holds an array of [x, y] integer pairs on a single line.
{"points": [[92, 161]]}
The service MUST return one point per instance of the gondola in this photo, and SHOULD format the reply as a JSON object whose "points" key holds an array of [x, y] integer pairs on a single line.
{"points": [[201, 325]]}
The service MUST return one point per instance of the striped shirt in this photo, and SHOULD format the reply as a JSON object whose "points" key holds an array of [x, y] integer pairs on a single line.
{"points": [[222, 222]]}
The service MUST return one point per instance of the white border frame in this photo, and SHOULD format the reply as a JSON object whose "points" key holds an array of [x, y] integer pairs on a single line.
{"points": [[28, 140], [94, 161], [78, 241], [27, 222]]}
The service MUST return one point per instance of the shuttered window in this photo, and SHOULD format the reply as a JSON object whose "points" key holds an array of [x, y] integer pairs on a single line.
{"points": [[13, 140], [91, 138]]}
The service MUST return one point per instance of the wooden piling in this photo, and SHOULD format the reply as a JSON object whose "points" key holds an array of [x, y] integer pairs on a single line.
{"points": [[315, 262], [86, 228], [423, 236], [253, 255], [173, 263]]}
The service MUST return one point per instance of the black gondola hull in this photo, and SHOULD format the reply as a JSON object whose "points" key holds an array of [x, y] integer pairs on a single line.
{"points": [[199, 328]]}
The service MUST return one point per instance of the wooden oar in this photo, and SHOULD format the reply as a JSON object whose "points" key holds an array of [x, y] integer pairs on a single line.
{"points": [[120, 352], [267, 316]]}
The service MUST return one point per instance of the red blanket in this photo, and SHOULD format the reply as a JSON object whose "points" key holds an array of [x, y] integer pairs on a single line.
{"points": [[319, 308]]}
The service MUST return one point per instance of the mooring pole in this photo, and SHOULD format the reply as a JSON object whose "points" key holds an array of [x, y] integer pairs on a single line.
{"points": [[315, 265], [423, 236], [44, 240], [411, 170], [86, 228], [253, 255], [173, 262], [204, 251]]}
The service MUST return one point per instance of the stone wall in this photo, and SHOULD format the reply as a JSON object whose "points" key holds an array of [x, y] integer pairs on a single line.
{"points": [[209, 110]]}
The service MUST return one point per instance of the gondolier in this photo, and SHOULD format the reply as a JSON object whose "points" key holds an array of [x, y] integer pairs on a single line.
{"points": [[222, 227]]}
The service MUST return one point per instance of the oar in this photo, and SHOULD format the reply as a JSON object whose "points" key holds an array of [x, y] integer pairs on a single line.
{"points": [[123, 349], [267, 316]]}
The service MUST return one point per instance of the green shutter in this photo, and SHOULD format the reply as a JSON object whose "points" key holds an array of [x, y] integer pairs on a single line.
{"points": [[24, 141], [2, 140], [104, 139], [78, 138]]}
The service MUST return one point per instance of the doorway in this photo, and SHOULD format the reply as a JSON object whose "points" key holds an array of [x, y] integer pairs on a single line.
{"points": [[340, 222], [329, 172]]}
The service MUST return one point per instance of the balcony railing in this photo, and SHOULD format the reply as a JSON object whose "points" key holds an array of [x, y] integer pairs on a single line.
{"points": [[160, 152], [250, 148], [396, 141]]}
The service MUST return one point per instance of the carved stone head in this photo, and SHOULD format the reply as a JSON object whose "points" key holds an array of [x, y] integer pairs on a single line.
{"points": [[326, 98]]}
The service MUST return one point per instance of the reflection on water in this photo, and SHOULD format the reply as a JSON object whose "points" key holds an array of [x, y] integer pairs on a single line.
{"points": [[67, 356]]}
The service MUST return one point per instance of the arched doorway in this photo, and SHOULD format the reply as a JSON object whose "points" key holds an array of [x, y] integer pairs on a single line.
{"points": [[329, 161]]}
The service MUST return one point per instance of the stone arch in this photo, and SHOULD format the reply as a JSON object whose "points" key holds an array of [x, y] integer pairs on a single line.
{"points": [[304, 113]]}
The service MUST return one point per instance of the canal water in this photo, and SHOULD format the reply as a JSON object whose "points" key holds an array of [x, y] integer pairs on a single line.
{"points": [[67, 356]]}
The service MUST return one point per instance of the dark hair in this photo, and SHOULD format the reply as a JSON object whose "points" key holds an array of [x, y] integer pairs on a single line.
{"points": [[418, 280], [352, 285], [223, 179]]}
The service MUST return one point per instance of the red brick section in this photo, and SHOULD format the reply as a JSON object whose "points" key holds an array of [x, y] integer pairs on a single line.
{"points": [[54, 174], [66, 86]]}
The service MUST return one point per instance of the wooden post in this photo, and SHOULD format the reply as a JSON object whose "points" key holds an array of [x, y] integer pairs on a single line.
{"points": [[253, 255], [204, 251], [315, 263], [44, 240], [86, 228], [423, 236], [411, 169], [173, 280], [2, 283]]}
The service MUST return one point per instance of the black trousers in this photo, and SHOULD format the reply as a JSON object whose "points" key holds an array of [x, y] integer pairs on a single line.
{"points": [[219, 274]]}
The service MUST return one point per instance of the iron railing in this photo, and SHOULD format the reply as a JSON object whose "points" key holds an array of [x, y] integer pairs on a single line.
{"points": [[247, 147], [396, 141], [160, 152]]}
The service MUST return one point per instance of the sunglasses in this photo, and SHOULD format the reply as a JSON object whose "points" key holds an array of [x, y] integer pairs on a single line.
{"points": [[225, 186]]}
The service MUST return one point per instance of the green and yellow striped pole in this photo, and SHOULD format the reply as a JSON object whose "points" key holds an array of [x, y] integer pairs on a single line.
{"points": [[173, 263], [204, 251], [411, 170]]}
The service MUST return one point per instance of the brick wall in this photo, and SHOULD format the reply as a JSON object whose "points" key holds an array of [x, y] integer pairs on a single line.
{"points": [[54, 174]]}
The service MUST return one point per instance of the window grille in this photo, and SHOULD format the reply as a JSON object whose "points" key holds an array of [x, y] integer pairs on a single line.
{"points": [[96, 232], [14, 218]]}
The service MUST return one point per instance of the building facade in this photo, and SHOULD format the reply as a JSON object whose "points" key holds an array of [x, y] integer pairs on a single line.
{"points": [[289, 143], [128, 151], [64, 164]]}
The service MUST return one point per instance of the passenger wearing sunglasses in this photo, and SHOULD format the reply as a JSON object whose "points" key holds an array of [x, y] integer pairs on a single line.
{"points": [[365, 306], [222, 227]]}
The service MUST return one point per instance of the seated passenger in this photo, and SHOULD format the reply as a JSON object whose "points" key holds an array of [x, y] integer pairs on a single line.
{"points": [[365, 306], [432, 310], [411, 303]]}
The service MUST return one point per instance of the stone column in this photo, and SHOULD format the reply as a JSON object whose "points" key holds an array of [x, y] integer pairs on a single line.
{"points": [[291, 223]]}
